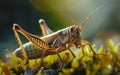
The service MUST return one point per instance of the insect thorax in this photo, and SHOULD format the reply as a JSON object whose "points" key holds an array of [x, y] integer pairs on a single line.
{"points": [[68, 35]]}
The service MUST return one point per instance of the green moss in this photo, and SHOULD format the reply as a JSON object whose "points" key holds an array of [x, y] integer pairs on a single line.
{"points": [[105, 62]]}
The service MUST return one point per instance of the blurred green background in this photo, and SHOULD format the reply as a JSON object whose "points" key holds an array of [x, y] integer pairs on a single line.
{"points": [[58, 14]]}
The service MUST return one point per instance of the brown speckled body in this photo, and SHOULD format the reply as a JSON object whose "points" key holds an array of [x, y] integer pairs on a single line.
{"points": [[54, 40]]}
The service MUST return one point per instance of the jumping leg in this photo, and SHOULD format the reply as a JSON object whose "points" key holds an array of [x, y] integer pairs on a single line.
{"points": [[20, 43], [87, 43], [45, 29]]}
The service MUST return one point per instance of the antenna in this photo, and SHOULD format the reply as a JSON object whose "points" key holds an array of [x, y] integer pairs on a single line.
{"points": [[94, 11]]}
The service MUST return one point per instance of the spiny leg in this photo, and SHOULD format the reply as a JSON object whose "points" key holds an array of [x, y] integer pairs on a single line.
{"points": [[20, 43], [87, 43], [35, 40]]}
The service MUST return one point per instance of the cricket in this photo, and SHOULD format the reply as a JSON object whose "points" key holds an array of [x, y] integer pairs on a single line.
{"points": [[51, 42]]}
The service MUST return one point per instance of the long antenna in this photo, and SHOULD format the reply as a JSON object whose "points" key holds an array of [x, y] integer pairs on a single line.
{"points": [[94, 11]]}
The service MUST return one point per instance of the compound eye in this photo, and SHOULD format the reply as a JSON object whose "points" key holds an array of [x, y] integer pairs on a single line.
{"points": [[73, 30]]}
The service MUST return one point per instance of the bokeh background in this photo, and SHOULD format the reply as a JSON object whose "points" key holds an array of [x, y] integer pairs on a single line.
{"points": [[58, 14]]}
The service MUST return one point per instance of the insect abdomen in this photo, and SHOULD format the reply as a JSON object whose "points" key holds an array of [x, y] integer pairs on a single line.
{"points": [[32, 52]]}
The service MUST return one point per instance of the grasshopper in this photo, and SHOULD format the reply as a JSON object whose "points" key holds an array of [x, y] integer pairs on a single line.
{"points": [[51, 42]]}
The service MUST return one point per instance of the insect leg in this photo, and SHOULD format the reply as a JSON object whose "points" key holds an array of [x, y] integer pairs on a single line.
{"points": [[61, 62], [67, 46], [82, 50], [42, 58], [87, 43], [45, 29], [36, 69], [57, 42], [20, 43], [72, 53], [35, 40]]}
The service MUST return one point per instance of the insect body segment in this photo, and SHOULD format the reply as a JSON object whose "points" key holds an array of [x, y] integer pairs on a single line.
{"points": [[75, 35], [32, 52]]}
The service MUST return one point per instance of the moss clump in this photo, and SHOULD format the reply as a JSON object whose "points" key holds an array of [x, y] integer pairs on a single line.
{"points": [[105, 62]]}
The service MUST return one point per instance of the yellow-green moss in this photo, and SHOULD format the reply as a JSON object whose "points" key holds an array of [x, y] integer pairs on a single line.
{"points": [[105, 62]]}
